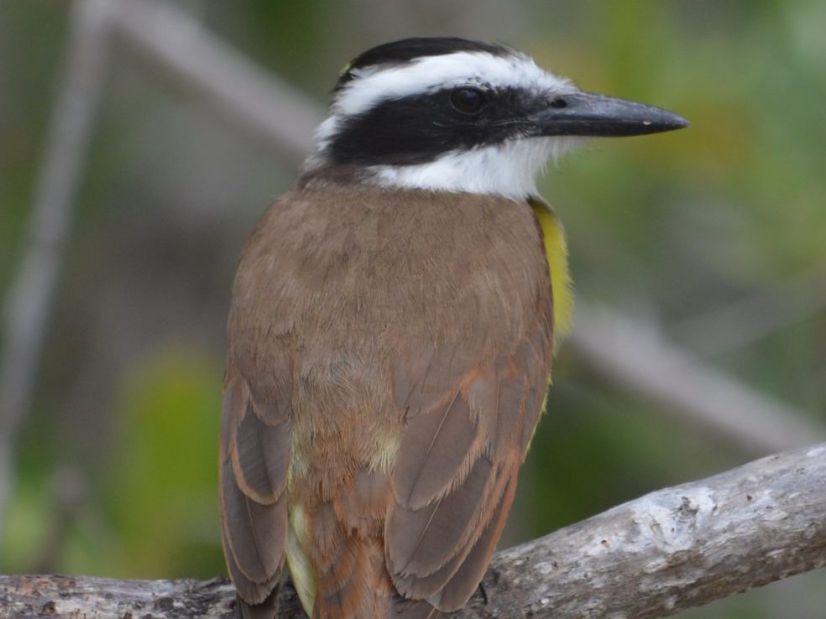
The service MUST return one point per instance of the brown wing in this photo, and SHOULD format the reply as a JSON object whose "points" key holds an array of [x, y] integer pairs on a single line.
{"points": [[253, 473], [468, 428]]}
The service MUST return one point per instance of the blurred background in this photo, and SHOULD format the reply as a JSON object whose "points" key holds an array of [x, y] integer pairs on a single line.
{"points": [[150, 149]]}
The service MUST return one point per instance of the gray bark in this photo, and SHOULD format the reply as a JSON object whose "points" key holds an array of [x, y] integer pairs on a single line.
{"points": [[652, 557]]}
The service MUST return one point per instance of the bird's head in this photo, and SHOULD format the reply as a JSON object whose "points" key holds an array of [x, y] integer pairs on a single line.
{"points": [[449, 114]]}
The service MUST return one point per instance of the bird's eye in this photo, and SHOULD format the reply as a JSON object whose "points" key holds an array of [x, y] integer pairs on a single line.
{"points": [[468, 100]]}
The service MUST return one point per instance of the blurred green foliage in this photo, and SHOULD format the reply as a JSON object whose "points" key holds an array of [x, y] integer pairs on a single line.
{"points": [[156, 505], [161, 486], [670, 227]]}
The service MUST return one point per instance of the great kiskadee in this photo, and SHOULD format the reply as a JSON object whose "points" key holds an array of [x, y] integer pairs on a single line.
{"points": [[391, 331]]}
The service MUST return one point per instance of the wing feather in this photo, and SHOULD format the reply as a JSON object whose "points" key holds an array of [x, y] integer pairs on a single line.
{"points": [[254, 459], [254, 532], [458, 459], [436, 443], [433, 533], [259, 458], [464, 581]]}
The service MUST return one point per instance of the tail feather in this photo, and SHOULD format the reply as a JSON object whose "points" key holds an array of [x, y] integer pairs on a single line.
{"points": [[268, 609], [348, 556], [352, 580], [414, 609]]}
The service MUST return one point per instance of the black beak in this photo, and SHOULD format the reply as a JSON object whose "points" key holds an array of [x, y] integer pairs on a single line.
{"points": [[588, 114]]}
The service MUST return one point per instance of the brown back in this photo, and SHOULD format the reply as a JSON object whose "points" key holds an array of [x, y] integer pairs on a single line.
{"points": [[388, 354]]}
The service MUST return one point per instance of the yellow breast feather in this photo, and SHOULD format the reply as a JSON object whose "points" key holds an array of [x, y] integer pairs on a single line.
{"points": [[556, 252]]}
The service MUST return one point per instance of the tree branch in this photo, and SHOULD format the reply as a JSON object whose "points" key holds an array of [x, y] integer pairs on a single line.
{"points": [[652, 557], [201, 65], [637, 358]]}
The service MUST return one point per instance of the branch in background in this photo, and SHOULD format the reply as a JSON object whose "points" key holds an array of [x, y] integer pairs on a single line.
{"points": [[655, 556], [198, 63], [174, 42], [31, 299], [743, 322], [70, 490], [635, 358]]}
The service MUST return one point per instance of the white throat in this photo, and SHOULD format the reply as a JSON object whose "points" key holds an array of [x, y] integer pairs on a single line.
{"points": [[508, 169]]}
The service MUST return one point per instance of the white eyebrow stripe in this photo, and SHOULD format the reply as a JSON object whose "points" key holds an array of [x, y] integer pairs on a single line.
{"points": [[430, 73]]}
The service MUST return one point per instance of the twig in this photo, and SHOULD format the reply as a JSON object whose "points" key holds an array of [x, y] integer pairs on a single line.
{"points": [[636, 358], [30, 301], [652, 557], [200, 64], [742, 322]]}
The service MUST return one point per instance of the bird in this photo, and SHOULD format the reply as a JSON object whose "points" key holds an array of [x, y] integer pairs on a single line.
{"points": [[392, 327]]}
